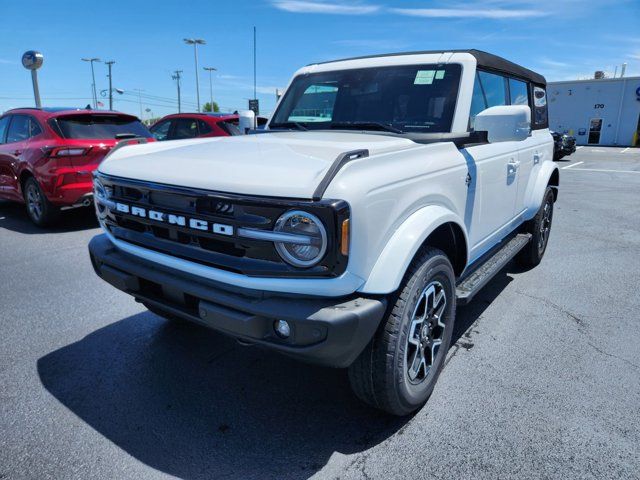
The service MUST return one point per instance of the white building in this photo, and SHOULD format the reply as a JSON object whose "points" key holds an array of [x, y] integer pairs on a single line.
{"points": [[597, 111]]}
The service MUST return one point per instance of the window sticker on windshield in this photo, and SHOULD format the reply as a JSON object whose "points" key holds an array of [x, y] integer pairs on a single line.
{"points": [[439, 74], [424, 77]]}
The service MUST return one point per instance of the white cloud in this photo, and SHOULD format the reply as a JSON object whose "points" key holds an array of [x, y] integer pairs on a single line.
{"points": [[305, 6], [635, 56], [553, 63], [7, 62], [495, 13]]}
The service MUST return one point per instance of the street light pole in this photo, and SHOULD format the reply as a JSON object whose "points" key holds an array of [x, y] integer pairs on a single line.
{"points": [[109, 63], [139, 90], [93, 77], [195, 42], [211, 70], [176, 77]]}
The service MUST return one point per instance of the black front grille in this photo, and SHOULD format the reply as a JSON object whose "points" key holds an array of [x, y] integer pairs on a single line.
{"points": [[229, 252]]}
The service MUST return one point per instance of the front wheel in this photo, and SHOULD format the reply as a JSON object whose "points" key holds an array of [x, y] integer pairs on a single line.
{"points": [[398, 370], [540, 228]]}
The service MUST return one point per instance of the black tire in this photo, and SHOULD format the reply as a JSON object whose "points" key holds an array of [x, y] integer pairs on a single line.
{"points": [[40, 211], [381, 375], [540, 228]]}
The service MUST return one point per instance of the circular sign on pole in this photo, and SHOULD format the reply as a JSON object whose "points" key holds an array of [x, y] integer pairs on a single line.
{"points": [[32, 60]]}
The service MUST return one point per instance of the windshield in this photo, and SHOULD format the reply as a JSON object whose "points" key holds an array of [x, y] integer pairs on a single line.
{"points": [[99, 126], [399, 99]]}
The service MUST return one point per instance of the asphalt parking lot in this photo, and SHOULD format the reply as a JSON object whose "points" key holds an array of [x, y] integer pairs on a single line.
{"points": [[542, 382]]}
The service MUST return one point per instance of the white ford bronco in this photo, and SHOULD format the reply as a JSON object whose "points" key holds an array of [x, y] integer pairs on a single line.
{"points": [[385, 191]]}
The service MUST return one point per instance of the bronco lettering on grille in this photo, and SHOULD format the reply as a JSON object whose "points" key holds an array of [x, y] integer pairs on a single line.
{"points": [[172, 219]]}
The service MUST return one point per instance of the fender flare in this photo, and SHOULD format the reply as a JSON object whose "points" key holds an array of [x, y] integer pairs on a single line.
{"points": [[536, 194], [393, 262]]}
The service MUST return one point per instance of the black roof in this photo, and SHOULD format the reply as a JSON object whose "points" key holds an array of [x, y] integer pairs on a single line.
{"points": [[484, 59]]}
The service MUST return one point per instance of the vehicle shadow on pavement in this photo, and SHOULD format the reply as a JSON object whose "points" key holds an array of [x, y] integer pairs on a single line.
{"points": [[194, 404], [13, 216]]}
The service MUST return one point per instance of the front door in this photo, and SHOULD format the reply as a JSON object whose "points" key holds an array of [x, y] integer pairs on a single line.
{"points": [[595, 127], [11, 152]]}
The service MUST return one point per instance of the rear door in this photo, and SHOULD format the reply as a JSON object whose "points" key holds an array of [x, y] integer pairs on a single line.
{"points": [[492, 176]]}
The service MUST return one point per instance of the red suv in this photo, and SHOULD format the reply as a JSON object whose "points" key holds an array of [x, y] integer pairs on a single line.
{"points": [[191, 125], [47, 155]]}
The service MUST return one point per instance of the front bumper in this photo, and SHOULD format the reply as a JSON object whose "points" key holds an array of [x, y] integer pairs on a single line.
{"points": [[326, 331]]}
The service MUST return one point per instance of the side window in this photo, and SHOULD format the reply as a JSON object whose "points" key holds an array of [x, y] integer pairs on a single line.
{"points": [[160, 131], [204, 127], [488, 91], [518, 92], [4, 123], [540, 118], [34, 127], [18, 129], [185, 128]]}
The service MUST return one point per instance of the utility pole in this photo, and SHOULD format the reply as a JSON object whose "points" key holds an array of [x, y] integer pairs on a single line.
{"points": [[195, 42], [139, 90], [108, 64], [254, 63], [211, 70], [93, 77], [176, 77]]}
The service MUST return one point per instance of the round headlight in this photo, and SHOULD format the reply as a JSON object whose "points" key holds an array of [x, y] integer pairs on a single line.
{"points": [[307, 243]]}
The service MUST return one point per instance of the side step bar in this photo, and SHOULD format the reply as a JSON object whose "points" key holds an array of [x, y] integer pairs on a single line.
{"points": [[471, 284]]}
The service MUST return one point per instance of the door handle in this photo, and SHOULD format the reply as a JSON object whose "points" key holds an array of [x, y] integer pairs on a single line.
{"points": [[536, 158], [17, 153]]}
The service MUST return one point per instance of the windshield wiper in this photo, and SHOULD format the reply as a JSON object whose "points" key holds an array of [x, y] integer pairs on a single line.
{"points": [[366, 126], [296, 125]]}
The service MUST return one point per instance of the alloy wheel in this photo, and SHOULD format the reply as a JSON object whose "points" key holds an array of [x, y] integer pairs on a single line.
{"points": [[425, 332], [545, 226], [34, 201]]}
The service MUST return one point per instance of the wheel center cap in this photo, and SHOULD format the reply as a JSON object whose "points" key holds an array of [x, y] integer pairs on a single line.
{"points": [[425, 332]]}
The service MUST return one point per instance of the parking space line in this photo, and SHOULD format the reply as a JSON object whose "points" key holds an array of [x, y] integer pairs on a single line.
{"points": [[578, 148], [602, 170], [572, 165], [625, 149]]}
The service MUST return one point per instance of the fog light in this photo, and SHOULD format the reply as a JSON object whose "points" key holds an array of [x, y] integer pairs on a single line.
{"points": [[282, 328]]}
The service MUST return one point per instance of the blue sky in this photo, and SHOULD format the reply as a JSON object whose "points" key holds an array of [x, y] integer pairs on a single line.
{"points": [[558, 38]]}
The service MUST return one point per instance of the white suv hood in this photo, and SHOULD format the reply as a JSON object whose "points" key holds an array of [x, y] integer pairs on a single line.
{"points": [[281, 164]]}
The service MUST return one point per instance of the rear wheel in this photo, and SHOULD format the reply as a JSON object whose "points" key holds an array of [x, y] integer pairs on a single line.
{"points": [[398, 370], [40, 210], [540, 228]]}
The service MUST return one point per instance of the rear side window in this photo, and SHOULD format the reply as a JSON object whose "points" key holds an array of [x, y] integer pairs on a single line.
{"points": [[518, 92], [18, 129], [185, 128], [35, 128], [204, 127], [540, 116], [96, 126], [230, 128], [4, 123]]}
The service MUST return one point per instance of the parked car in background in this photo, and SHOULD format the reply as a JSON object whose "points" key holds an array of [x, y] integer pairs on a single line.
{"points": [[47, 155], [563, 145], [192, 125]]}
